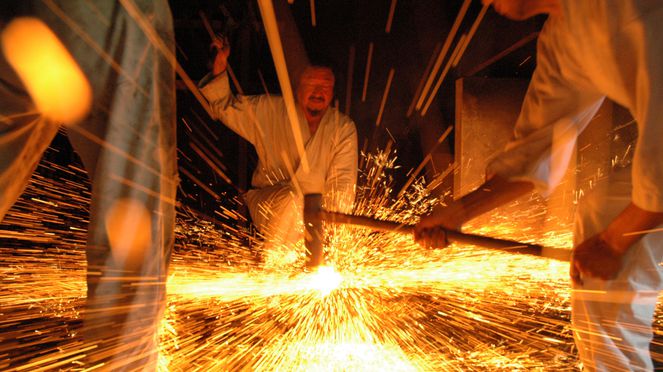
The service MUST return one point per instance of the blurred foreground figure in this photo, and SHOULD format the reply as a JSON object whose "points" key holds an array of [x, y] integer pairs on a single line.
{"points": [[588, 50], [126, 143], [330, 140]]}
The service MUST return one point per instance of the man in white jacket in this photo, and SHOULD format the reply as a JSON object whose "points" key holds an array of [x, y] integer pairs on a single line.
{"points": [[330, 140], [589, 50]]}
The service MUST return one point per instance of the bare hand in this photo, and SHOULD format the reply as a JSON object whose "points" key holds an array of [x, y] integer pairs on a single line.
{"points": [[430, 232], [595, 258], [222, 46]]}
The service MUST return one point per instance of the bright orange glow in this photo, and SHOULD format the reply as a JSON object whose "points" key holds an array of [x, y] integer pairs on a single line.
{"points": [[326, 279], [128, 226], [52, 77], [391, 305]]}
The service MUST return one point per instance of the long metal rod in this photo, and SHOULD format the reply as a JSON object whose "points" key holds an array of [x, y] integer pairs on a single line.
{"points": [[509, 246]]}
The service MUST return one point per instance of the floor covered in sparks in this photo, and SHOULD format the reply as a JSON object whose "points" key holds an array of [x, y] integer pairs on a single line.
{"points": [[386, 305]]}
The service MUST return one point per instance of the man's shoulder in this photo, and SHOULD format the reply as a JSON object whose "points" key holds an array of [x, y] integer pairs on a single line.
{"points": [[272, 102], [339, 119]]}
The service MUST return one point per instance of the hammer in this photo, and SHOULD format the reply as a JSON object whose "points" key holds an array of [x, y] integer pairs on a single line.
{"points": [[314, 215], [313, 229]]}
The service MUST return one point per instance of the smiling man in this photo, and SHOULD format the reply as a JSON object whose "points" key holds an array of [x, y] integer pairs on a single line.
{"points": [[330, 140], [314, 94]]}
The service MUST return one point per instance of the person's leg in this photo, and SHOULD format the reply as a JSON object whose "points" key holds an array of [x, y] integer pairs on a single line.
{"points": [[24, 136], [128, 148], [612, 319]]}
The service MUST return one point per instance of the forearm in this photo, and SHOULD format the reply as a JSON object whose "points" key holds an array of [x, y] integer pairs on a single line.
{"points": [[237, 113], [492, 194], [222, 52], [218, 70], [630, 226], [216, 90]]}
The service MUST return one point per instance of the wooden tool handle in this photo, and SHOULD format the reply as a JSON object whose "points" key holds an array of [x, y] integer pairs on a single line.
{"points": [[372, 223], [452, 236]]}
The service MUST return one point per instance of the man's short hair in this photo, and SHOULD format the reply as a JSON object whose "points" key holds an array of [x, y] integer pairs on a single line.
{"points": [[323, 62]]}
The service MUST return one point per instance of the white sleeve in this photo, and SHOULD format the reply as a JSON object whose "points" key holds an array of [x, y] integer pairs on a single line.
{"points": [[341, 178], [237, 113], [554, 112]]}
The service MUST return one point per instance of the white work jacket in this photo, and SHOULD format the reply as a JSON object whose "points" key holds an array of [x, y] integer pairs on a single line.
{"points": [[263, 121], [594, 49]]}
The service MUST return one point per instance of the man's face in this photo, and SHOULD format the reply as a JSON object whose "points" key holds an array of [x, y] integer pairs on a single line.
{"points": [[316, 89]]}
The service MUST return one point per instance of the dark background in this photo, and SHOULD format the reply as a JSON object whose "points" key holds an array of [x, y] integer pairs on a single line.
{"points": [[418, 26]]}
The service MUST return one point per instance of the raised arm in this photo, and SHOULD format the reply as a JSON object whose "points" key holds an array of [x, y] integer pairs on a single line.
{"points": [[239, 113]]}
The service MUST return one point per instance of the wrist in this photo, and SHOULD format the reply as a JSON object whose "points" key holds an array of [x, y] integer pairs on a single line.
{"points": [[218, 71], [456, 214], [629, 227], [615, 241]]}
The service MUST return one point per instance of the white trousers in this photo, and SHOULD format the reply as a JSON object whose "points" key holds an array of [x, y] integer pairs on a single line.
{"points": [[128, 147], [277, 212], [612, 319]]}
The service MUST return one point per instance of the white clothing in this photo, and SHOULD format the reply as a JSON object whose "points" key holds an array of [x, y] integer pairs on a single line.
{"points": [[263, 121], [127, 145], [612, 319], [599, 48]]}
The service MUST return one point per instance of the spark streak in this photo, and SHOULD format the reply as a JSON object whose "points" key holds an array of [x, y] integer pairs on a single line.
{"points": [[443, 52], [367, 72], [384, 97], [463, 42], [390, 18]]}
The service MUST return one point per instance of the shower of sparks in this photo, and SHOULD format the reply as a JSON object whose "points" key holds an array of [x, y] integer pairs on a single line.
{"points": [[383, 303], [392, 305], [313, 21]]}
